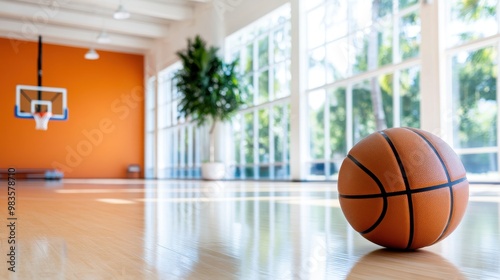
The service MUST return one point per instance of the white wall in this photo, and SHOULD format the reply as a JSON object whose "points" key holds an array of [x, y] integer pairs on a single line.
{"points": [[205, 22], [240, 13]]}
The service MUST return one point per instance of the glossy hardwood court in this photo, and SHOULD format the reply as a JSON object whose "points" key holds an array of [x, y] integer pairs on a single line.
{"points": [[128, 229]]}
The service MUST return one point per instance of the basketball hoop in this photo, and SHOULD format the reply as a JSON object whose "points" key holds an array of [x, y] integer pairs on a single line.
{"points": [[42, 120]]}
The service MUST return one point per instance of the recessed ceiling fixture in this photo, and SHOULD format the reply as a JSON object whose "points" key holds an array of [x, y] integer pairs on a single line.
{"points": [[91, 54], [121, 12], [103, 37]]}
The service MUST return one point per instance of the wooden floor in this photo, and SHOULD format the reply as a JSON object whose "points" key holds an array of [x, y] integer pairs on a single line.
{"points": [[117, 229]]}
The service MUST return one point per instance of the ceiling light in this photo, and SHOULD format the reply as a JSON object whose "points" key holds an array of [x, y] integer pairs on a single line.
{"points": [[91, 54], [103, 38], [121, 13]]}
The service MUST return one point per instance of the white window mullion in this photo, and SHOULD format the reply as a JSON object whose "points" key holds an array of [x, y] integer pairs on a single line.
{"points": [[189, 162], [396, 108], [396, 56], [350, 38], [272, 65], [326, 131], [451, 95], [497, 15], [256, 160], [197, 145], [406, 11], [176, 150], [283, 100], [271, 142], [155, 128], [474, 45], [498, 98], [349, 120], [183, 147], [480, 150], [242, 145], [256, 72], [286, 117], [387, 69], [169, 152], [433, 72]]}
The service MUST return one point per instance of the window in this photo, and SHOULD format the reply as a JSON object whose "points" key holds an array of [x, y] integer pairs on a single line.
{"points": [[471, 20], [363, 74], [473, 63], [179, 141], [261, 130], [150, 149]]}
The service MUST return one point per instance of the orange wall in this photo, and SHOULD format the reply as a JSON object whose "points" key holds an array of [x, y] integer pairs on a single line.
{"points": [[105, 129]]}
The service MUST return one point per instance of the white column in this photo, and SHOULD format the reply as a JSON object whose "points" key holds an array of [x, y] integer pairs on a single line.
{"points": [[216, 38], [434, 114], [218, 30], [298, 129], [155, 137]]}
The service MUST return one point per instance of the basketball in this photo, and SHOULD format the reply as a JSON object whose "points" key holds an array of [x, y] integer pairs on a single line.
{"points": [[403, 188]]}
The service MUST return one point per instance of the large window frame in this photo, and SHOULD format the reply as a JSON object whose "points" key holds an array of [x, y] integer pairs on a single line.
{"points": [[457, 52], [324, 158], [434, 63], [178, 144], [150, 129], [259, 152]]}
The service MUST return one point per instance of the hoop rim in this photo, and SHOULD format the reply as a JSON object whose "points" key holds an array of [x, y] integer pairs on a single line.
{"points": [[30, 116]]}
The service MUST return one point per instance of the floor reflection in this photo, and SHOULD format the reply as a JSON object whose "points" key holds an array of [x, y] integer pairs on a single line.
{"points": [[273, 231], [421, 264], [116, 229], [273, 234]]}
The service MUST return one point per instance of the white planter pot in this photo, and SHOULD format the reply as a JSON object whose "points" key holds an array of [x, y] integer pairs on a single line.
{"points": [[213, 171]]}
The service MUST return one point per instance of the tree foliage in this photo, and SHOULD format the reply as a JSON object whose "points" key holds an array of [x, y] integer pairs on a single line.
{"points": [[474, 75], [477, 94]]}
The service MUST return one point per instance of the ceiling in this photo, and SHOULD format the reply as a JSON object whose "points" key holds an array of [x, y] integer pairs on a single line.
{"points": [[79, 22]]}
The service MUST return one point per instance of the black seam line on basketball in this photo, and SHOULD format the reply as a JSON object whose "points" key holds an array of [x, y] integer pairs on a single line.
{"points": [[426, 189], [382, 191], [435, 151], [450, 215], [407, 187]]}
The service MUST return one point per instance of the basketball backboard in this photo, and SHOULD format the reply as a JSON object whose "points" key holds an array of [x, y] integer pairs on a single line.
{"points": [[30, 99]]}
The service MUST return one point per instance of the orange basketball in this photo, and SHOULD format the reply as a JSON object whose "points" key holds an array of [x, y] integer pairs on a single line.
{"points": [[403, 188]]}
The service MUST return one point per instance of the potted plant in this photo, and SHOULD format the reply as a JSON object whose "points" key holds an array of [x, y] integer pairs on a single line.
{"points": [[211, 91]]}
